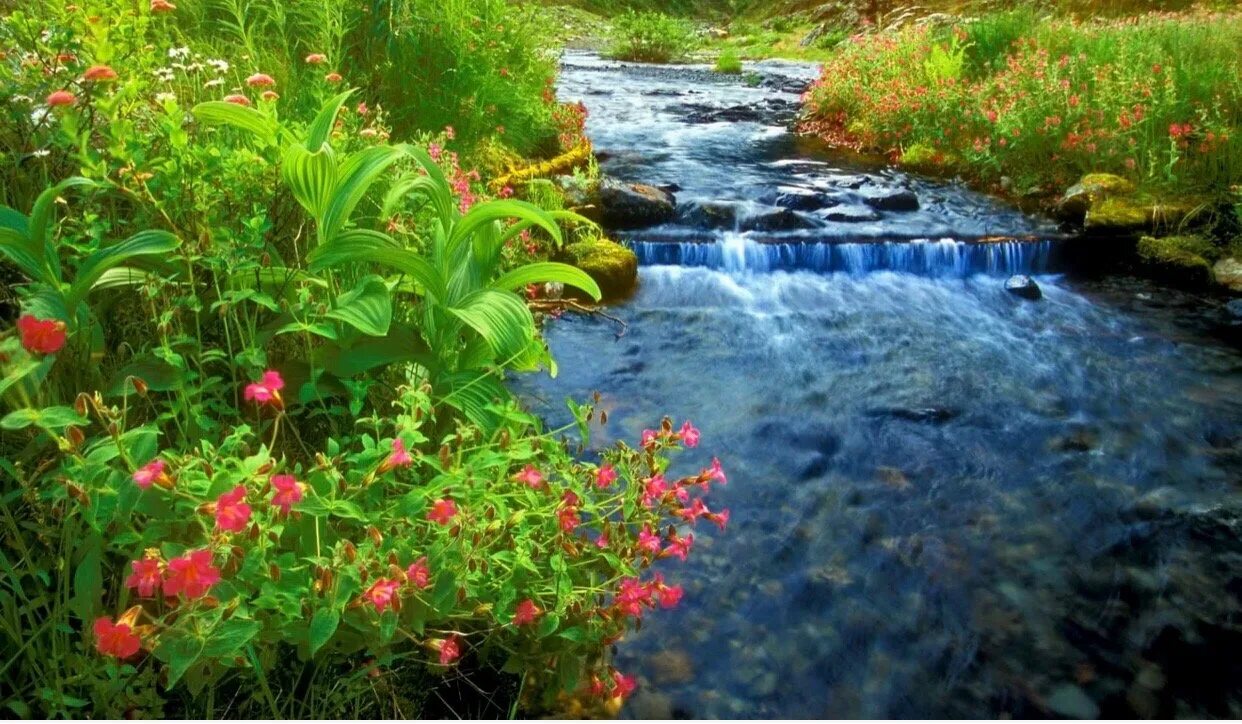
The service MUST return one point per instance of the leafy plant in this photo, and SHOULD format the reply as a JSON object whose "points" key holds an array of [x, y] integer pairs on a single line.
{"points": [[651, 37]]}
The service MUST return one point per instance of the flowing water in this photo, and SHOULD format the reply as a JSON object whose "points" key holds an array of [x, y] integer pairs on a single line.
{"points": [[947, 501]]}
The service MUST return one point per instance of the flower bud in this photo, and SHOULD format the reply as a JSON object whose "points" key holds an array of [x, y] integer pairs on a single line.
{"points": [[350, 551], [76, 436], [274, 571], [375, 535], [79, 405], [140, 385], [603, 417]]}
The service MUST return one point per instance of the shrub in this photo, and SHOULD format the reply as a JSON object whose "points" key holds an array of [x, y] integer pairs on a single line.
{"points": [[728, 62], [651, 37]]}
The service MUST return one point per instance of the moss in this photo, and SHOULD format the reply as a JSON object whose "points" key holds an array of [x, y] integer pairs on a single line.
{"points": [[1181, 259], [613, 267]]}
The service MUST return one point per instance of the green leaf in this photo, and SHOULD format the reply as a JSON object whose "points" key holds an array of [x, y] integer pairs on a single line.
{"points": [[500, 318], [49, 418], [88, 579], [401, 344], [548, 271], [367, 307], [227, 639], [321, 127], [311, 177], [223, 113], [322, 626], [494, 211], [368, 248], [179, 652], [144, 243], [548, 624], [41, 220], [355, 176]]}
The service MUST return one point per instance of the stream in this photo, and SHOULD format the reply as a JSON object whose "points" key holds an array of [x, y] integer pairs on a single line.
{"points": [[946, 501]]}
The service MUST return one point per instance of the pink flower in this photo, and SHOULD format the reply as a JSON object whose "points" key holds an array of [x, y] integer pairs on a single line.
{"points": [[602, 540], [260, 80], [648, 541], [622, 685], [398, 458], [146, 577], [692, 514], [526, 613], [721, 519], [382, 594], [449, 133], [568, 519], [670, 596], [689, 434], [649, 437], [450, 650], [715, 472], [266, 390], [316, 59], [419, 573], [115, 639], [270, 95], [678, 548], [232, 512], [333, 77], [237, 99], [99, 73], [57, 99], [288, 492], [362, 109], [605, 476], [530, 477], [654, 489], [192, 575], [149, 473], [442, 511], [162, 6], [41, 336]]}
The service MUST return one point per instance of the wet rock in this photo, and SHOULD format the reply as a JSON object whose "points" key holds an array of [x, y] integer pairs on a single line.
{"points": [[849, 214], [892, 200], [1092, 188], [1180, 260], [613, 267], [1235, 308], [634, 206], [935, 415], [1131, 216], [1072, 702], [1081, 439], [892, 477], [775, 220], [798, 199], [1023, 286], [1228, 273], [770, 111], [708, 215], [672, 667]]}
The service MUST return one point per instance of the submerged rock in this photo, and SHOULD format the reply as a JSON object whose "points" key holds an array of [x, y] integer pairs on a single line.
{"points": [[1179, 259], [849, 214], [634, 206], [613, 267], [1228, 274], [892, 200], [708, 215], [776, 220], [1023, 286]]}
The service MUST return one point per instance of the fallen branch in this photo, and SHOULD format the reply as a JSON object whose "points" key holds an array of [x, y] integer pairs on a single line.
{"points": [[574, 157], [560, 305]]}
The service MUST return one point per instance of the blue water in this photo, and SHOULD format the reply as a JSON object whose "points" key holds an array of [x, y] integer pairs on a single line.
{"points": [[947, 501]]}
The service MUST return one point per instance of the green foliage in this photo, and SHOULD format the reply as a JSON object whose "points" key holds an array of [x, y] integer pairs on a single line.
{"points": [[728, 62], [651, 37]]}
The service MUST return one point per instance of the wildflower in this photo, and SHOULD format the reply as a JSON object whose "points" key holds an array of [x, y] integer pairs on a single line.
{"points": [[266, 390], [689, 434], [692, 514], [678, 548], [531, 477], [654, 489], [214, 83], [526, 613], [221, 66], [419, 573], [632, 595], [115, 639], [162, 6], [597, 687], [260, 80], [648, 541], [715, 472], [288, 492], [41, 336], [568, 519], [435, 151], [152, 472], [362, 109], [237, 99], [192, 575], [622, 685], [146, 577], [669, 596], [602, 541], [270, 96], [232, 512], [398, 458], [333, 77], [179, 53], [61, 98], [99, 73], [165, 97], [721, 519], [442, 511], [449, 133], [316, 59], [450, 650], [649, 437], [382, 594], [368, 133], [605, 476]]}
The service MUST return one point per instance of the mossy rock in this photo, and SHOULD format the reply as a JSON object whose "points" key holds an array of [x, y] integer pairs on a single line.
{"points": [[613, 267], [1228, 273], [1124, 215], [1185, 260], [1091, 189]]}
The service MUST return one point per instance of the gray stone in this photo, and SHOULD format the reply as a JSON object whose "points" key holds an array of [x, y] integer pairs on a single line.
{"points": [[1072, 702], [1023, 286]]}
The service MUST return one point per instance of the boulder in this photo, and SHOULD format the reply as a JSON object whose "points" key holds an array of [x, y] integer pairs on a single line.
{"points": [[775, 220], [797, 199], [1228, 274], [892, 200], [613, 267], [849, 213], [1093, 187], [633, 206], [1023, 286], [1181, 260], [708, 215]]}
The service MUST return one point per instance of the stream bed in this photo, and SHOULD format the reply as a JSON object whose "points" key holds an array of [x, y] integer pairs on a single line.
{"points": [[946, 501]]}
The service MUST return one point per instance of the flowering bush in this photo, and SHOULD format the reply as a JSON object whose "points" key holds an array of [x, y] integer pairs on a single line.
{"points": [[1153, 98]]}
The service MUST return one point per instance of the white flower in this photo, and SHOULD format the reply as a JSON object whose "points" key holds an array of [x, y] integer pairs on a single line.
{"points": [[178, 52], [165, 97], [194, 67], [164, 74], [221, 66], [21, 99], [39, 115], [41, 153], [213, 83]]}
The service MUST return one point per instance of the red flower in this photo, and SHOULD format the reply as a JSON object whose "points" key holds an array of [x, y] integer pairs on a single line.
{"points": [[442, 511], [270, 95], [99, 73], [450, 649], [654, 489], [288, 492], [530, 476], [716, 472], [60, 98], [162, 6], [146, 577], [316, 58], [266, 390], [41, 336], [333, 77], [382, 594], [678, 547], [398, 458], [362, 109], [526, 613], [670, 596], [419, 573], [237, 99], [605, 476], [115, 639], [152, 472], [232, 512], [648, 541], [721, 519], [649, 437], [192, 575], [260, 80], [568, 519], [622, 685], [689, 434]]}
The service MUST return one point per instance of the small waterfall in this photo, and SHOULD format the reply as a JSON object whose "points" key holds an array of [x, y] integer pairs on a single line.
{"points": [[944, 258]]}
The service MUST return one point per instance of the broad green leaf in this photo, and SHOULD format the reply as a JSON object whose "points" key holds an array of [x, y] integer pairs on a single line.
{"points": [[367, 307], [311, 177], [354, 178], [365, 249], [88, 579], [121, 276], [321, 127], [401, 344], [41, 220], [179, 651], [223, 113], [501, 318], [548, 271], [144, 243], [49, 418], [25, 254], [227, 639], [494, 211], [322, 626]]}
